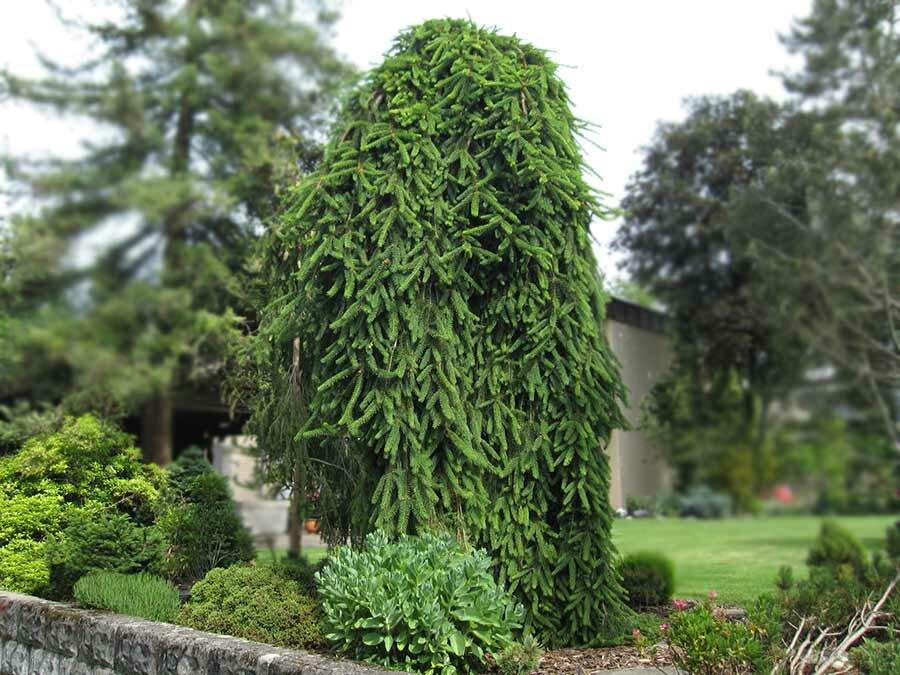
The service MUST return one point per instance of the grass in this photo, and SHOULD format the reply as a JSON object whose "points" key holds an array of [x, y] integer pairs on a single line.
{"points": [[312, 554], [737, 557]]}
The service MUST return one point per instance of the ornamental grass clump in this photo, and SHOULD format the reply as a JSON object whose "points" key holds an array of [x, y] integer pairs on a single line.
{"points": [[436, 305], [141, 595], [421, 604]]}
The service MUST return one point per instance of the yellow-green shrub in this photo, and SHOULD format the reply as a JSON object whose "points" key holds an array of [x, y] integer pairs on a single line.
{"points": [[86, 466]]}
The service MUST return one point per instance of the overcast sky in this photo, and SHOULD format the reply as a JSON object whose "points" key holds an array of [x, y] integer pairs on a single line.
{"points": [[628, 63]]}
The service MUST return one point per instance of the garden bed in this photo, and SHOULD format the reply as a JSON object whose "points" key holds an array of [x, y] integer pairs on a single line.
{"points": [[587, 661]]}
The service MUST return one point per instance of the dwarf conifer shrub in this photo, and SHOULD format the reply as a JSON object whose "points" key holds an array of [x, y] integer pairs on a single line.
{"points": [[200, 522], [436, 278], [253, 602], [141, 595], [835, 547], [422, 604], [648, 578], [101, 540]]}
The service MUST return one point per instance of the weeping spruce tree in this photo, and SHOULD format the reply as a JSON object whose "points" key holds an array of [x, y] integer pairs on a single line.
{"points": [[436, 272]]}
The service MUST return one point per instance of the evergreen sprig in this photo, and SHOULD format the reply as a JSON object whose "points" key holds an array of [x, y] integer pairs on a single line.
{"points": [[437, 269]]}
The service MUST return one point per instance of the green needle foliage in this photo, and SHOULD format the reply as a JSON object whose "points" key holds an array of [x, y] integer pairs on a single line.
{"points": [[437, 272]]}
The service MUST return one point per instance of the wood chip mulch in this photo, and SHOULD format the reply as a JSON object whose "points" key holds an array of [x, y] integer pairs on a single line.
{"points": [[588, 661]]}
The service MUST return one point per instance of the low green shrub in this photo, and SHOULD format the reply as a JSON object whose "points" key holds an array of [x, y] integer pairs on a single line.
{"points": [[200, 522], [836, 547], [703, 643], [877, 658], [299, 570], [703, 502], [520, 658], [641, 506], [23, 566], [256, 603], [648, 577], [101, 540], [831, 595], [422, 604], [784, 580], [892, 544], [141, 595]]}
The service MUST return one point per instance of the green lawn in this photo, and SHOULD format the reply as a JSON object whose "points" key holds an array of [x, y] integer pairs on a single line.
{"points": [[313, 554], [738, 557]]}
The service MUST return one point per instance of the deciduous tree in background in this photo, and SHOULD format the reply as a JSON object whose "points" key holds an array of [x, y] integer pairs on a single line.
{"points": [[732, 354], [201, 109]]}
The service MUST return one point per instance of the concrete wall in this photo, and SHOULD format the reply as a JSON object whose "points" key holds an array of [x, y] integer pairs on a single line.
{"points": [[38, 637], [637, 466], [266, 517]]}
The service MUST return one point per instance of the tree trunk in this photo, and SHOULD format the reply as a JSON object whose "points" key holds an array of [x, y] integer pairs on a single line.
{"points": [[295, 523], [156, 430]]}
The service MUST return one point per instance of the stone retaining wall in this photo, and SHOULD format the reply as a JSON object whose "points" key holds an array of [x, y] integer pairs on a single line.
{"points": [[38, 637]]}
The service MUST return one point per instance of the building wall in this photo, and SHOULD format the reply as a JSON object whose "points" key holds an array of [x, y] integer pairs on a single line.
{"points": [[637, 339]]}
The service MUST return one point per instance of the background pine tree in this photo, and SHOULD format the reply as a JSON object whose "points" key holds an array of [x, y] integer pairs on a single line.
{"points": [[438, 309], [201, 109]]}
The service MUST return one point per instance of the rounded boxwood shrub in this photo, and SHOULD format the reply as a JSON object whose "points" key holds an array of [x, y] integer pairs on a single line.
{"points": [[141, 595], [422, 604], [253, 602], [648, 577]]}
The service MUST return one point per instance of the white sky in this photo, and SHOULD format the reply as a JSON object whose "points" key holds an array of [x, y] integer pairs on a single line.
{"points": [[629, 63]]}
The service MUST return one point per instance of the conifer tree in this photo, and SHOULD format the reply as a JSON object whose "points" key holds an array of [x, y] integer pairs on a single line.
{"points": [[436, 272], [196, 110]]}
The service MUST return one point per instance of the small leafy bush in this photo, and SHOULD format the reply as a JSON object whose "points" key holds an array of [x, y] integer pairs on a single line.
{"points": [[836, 547], [877, 658], [200, 522], [893, 541], [141, 595], [639, 505], [703, 643], [23, 566], [648, 577], [520, 658], [703, 502], [256, 603], [104, 540], [86, 466], [421, 604]]}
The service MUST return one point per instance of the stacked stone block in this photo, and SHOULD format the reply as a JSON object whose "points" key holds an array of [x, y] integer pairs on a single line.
{"points": [[38, 637]]}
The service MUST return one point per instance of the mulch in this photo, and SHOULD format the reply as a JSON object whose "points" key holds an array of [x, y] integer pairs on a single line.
{"points": [[588, 661]]}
